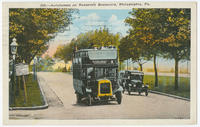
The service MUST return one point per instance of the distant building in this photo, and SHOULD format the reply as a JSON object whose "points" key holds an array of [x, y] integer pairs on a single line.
{"points": [[61, 64]]}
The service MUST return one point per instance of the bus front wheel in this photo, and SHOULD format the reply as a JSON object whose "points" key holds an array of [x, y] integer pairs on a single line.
{"points": [[89, 101], [119, 97]]}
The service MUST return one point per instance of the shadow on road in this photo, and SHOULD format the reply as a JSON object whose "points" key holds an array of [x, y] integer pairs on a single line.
{"points": [[135, 94], [84, 104]]}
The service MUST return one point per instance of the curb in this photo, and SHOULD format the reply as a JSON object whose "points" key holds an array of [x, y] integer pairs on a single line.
{"points": [[169, 95], [34, 107]]}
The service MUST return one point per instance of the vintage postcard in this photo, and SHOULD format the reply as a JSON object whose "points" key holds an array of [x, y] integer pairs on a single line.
{"points": [[79, 63]]}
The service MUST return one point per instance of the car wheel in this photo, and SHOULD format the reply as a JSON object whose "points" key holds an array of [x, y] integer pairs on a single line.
{"points": [[146, 92], [139, 92], [119, 97]]}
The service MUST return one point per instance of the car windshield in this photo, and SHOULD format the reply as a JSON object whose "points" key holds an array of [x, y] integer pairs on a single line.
{"points": [[136, 77]]}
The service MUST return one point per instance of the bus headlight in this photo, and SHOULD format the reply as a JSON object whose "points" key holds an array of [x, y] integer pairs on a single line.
{"points": [[88, 90]]}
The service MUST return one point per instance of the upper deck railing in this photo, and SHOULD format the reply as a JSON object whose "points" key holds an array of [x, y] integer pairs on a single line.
{"points": [[96, 56]]}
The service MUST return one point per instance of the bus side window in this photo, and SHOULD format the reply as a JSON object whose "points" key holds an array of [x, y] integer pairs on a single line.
{"points": [[74, 73]]}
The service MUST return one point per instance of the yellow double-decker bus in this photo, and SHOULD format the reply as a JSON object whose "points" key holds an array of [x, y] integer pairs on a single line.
{"points": [[95, 75]]}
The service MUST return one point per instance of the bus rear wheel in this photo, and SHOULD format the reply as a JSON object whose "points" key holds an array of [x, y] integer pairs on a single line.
{"points": [[119, 97], [78, 98]]}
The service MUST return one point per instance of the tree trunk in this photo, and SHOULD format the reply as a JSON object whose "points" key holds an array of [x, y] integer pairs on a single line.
{"points": [[120, 64], [155, 70], [141, 69], [127, 65], [176, 74], [65, 67]]}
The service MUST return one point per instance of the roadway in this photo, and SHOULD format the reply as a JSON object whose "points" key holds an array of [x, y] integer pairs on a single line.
{"points": [[58, 89]]}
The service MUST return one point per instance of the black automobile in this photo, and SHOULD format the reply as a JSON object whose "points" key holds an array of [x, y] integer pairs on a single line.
{"points": [[132, 81]]}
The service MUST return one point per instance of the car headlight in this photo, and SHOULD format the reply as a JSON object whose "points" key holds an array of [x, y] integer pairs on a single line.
{"points": [[134, 85], [142, 85], [130, 84]]}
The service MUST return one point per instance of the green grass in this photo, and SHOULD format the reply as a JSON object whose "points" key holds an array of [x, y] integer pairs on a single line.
{"points": [[166, 85], [34, 97]]}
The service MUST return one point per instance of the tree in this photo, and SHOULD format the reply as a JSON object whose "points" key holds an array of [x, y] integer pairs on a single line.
{"points": [[64, 52], [33, 29], [177, 40], [124, 50], [97, 38], [139, 53], [163, 32], [146, 28], [129, 49]]}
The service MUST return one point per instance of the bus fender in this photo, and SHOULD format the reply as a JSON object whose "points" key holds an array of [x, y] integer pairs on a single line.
{"points": [[119, 89]]}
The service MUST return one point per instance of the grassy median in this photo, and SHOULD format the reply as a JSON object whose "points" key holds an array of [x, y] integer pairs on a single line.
{"points": [[166, 85], [34, 97]]}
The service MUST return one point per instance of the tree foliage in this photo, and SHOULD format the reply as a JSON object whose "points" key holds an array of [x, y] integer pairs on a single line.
{"points": [[64, 52], [156, 32], [97, 38], [176, 44], [125, 48], [33, 28]]}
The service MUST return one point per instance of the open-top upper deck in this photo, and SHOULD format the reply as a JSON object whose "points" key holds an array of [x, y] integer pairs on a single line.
{"points": [[103, 53]]}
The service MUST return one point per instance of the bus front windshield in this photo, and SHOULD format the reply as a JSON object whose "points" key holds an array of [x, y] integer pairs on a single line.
{"points": [[105, 72]]}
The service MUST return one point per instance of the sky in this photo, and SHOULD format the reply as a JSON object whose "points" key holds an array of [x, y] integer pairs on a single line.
{"points": [[88, 20], [92, 19]]}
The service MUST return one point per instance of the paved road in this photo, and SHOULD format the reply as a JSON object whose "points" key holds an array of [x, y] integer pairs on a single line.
{"points": [[60, 95]]}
